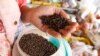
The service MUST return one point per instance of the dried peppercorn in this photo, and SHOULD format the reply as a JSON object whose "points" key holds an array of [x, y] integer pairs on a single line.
{"points": [[35, 45], [55, 22]]}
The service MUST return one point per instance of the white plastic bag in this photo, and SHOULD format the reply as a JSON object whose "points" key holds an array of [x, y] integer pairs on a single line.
{"points": [[81, 49]]}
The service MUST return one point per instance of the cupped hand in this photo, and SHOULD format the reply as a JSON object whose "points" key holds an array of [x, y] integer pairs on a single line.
{"points": [[34, 15]]}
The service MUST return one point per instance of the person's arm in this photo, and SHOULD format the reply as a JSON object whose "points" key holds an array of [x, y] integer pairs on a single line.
{"points": [[32, 15], [24, 11], [23, 8]]}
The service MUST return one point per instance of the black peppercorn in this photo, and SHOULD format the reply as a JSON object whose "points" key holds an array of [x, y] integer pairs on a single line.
{"points": [[35, 45], [55, 22]]}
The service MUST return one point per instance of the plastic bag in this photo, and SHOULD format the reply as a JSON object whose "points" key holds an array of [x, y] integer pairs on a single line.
{"points": [[81, 49]]}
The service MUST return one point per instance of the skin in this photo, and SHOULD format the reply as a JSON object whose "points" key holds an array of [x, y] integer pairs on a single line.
{"points": [[32, 15]]}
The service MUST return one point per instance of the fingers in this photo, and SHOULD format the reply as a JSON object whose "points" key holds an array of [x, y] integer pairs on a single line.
{"points": [[64, 32], [72, 27], [69, 29], [44, 28], [53, 33], [36, 21], [50, 31], [45, 10], [62, 13], [50, 10]]}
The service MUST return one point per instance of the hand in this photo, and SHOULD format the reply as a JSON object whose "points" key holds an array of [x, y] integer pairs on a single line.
{"points": [[33, 16]]}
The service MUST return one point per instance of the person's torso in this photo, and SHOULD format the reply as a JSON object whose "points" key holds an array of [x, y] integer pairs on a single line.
{"points": [[9, 15]]}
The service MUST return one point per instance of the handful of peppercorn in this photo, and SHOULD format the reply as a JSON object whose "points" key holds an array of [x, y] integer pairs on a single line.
{"points": [[55, 22]]}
